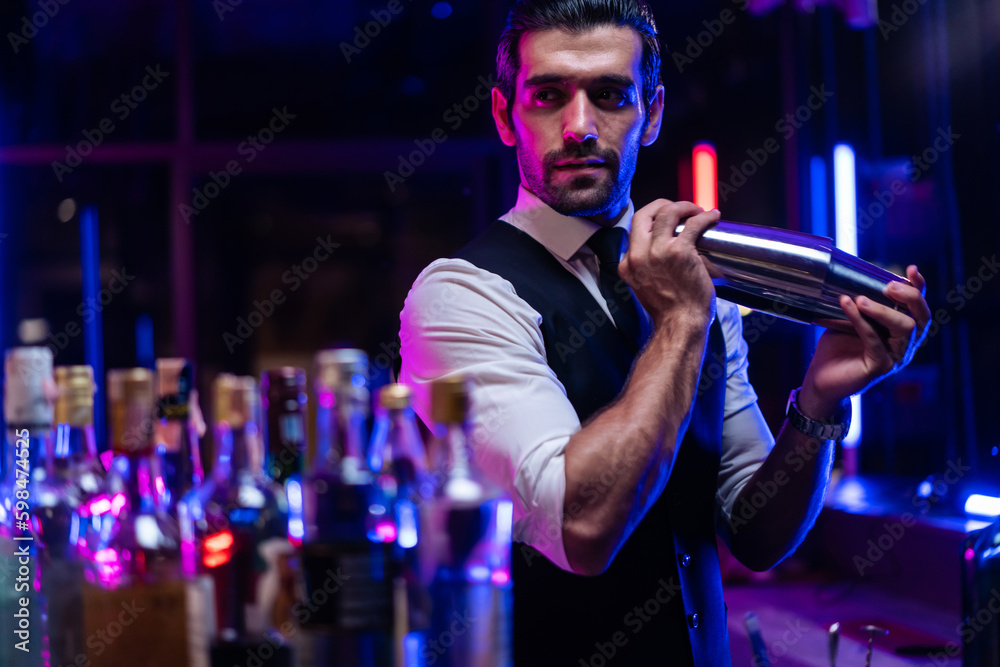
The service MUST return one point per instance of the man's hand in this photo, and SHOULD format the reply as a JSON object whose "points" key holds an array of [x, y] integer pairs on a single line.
{"points": [[669, 277], [847, 363]]}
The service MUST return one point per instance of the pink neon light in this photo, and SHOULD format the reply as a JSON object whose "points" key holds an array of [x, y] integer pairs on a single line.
{"points": [[705, 170], [385, 531], [500, 577], [100, 506], [326, 399], [970, 554], [161, 488], [117, 503], [106, 556]]}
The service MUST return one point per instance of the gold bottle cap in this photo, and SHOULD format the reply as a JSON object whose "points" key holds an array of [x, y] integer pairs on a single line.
{"points": [[395, 397], [131, 406], [449, 400], [29, 389], [337, 368], [75, 405], [237, 399], [173, 376]]}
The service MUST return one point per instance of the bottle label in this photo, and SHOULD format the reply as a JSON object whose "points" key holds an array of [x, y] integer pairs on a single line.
{"points": [[151, 621], [349, 587]]}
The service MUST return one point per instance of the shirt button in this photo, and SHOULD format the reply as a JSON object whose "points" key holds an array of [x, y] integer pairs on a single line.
{"points": [[684, 559], [693, 620]]}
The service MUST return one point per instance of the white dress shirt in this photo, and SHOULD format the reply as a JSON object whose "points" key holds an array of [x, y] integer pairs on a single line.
{"points": [[460, 319]]}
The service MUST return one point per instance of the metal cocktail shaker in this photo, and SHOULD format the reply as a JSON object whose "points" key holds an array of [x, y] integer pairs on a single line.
{"points": [[790, 274]]}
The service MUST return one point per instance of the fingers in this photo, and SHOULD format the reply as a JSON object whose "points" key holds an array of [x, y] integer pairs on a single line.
{"points": [[874, 347], [658, 219], [698, 224]]}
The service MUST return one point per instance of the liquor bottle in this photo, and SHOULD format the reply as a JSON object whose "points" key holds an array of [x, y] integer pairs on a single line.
{"points": [[135, 577], [980, 627], [178, 433], [72, 494], [399, 462], [465, 547], [29, 393], [242, 513], [349, 532], [283, 394]]}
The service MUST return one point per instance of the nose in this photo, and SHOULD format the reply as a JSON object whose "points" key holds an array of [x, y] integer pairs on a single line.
{"points": [[579, 123]]}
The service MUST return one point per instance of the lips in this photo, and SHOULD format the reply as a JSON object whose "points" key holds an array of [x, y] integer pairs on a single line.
{"points": [[580, 164]]}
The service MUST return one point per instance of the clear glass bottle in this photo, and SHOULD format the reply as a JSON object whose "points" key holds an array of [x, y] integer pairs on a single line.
{"points": [[134, 576], [347, 552], [465, 550], [74, 485], [29, 393], [283, 395], [179, 431], [399, 462], [243, 515]]}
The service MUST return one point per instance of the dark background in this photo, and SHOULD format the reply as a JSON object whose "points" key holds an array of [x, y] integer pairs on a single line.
{"points": [[359, 111]]}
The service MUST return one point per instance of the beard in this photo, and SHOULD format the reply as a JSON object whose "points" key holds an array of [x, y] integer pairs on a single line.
{"points": [[584, 195]]}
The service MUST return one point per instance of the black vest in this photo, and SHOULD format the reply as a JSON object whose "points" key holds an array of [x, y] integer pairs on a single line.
{"points": [[660, 601]]}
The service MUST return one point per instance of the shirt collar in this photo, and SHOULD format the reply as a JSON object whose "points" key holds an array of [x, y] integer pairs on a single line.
{"points": [[562, 235]]}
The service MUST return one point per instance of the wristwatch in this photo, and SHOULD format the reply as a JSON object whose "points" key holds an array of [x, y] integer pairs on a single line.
{"points": [[834, 429]]}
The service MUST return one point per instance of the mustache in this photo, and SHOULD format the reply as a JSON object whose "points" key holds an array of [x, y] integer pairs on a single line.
{"points": [[580, 152]]}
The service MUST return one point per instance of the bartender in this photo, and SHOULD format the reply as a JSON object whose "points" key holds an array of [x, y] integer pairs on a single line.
{"points": [[611, 398]]}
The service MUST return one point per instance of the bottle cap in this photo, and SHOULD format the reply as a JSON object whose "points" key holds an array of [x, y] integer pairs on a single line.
{"points": [[131, 407], [237, 399], [449, 400], [282, 381], [29, 389], [341, 368], [395, 397], [75, 405]]}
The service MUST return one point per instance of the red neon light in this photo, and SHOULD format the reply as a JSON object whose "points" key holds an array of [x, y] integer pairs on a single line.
{"points": [[219, 542], [705, 168], [216, 559]]}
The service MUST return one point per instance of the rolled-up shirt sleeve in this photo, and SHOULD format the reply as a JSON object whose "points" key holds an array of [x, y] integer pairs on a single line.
{"points": [[459, 319], [746, 437]]}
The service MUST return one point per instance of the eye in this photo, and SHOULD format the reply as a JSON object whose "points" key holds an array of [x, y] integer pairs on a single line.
{"points": [[546, 95], [613, 96]]}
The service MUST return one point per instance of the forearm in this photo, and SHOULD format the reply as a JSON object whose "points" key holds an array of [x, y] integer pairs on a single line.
{"points": [[636, 439], [781, 500]]}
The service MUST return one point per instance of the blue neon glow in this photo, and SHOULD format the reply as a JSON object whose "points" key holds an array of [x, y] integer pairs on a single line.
{"points": [[441, 10], [925, 489], [145, 357], [846, 210], [817, 185], [846, 198], [93, 334], [981, 505]]}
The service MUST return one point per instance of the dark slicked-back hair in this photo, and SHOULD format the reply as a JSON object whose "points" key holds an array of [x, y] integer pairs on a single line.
{"points": [[577, 16]]}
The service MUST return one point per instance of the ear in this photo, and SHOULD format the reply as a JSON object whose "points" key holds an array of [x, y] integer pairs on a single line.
{"points": [[655, 118], [500, 118]]}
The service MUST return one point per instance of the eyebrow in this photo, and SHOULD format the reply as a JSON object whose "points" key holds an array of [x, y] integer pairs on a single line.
{"points": [[545, 79]]}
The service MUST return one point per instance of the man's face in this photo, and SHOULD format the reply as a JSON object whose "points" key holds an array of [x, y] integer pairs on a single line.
{"points": [[578, 117]]}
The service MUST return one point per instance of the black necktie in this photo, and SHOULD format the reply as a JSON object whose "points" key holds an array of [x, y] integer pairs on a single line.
{"points": [[607, 245]]}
